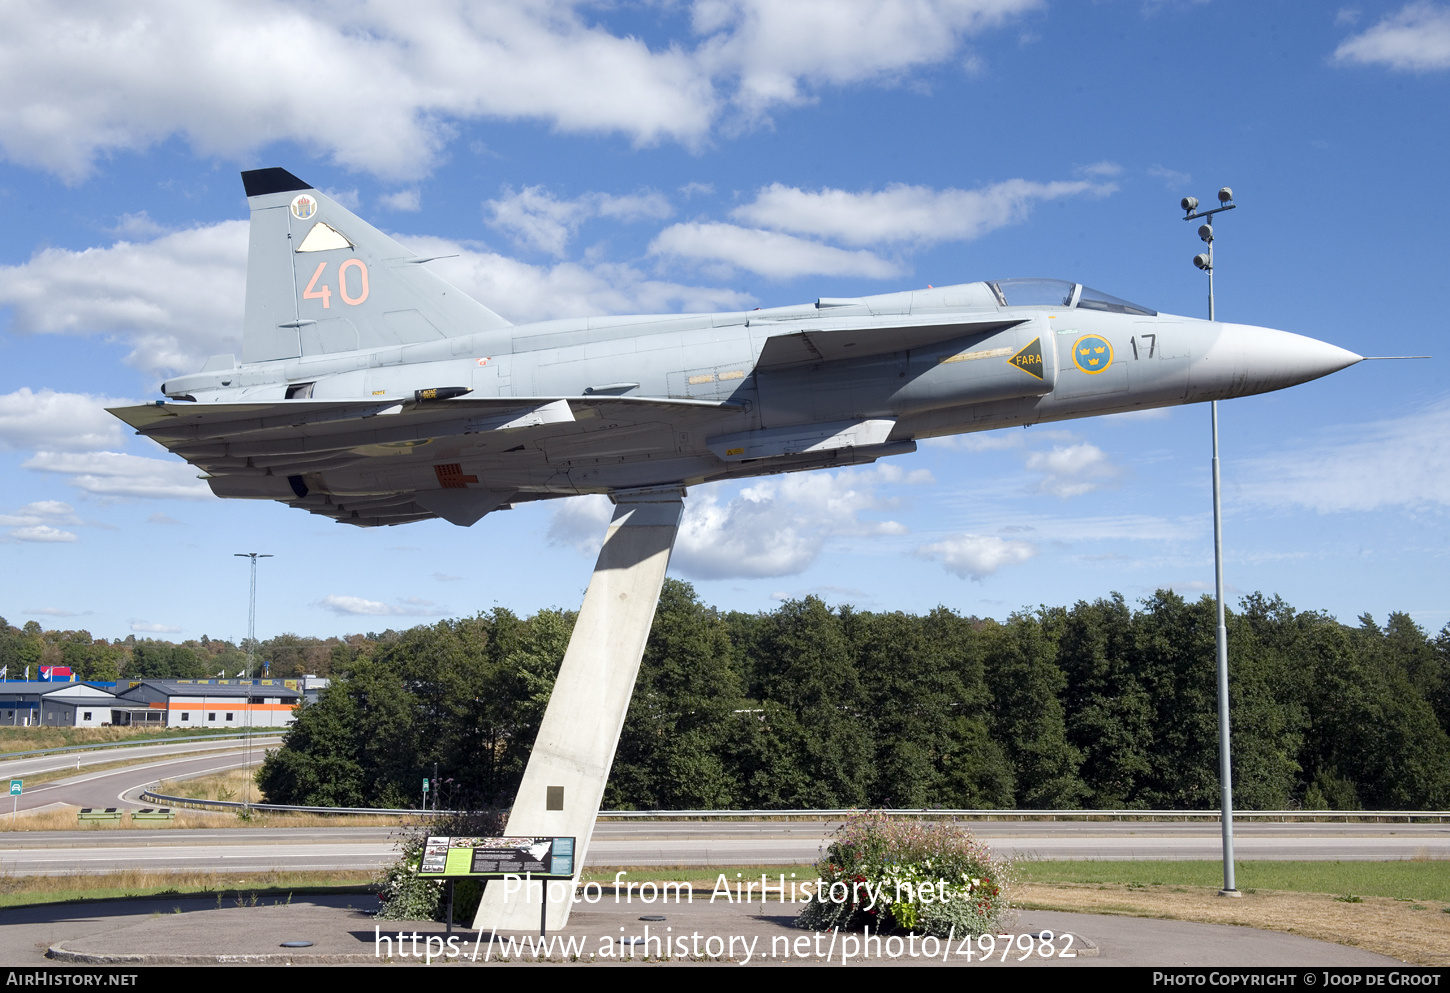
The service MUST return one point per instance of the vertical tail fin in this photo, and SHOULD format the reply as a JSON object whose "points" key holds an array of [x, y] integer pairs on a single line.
{"points": [[320, 279]]}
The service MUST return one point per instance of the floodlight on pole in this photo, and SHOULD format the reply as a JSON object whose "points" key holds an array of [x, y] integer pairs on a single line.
{"points": [[1204, 261], [251, 654], [252, 609]]}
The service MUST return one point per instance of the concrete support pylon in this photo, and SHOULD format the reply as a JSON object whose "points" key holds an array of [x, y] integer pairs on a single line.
{"points": [[564, 781]]}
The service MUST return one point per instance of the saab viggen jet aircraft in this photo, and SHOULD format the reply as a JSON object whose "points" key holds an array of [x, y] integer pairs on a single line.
{"points": [[373, 392]]}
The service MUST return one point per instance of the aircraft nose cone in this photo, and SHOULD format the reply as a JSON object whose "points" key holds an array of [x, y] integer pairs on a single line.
{"points": [[1263, 359]]}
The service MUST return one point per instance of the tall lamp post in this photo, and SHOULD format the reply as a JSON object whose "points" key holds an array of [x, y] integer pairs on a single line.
{"points": [[251, 653], [1204, 261], [252, 609]]}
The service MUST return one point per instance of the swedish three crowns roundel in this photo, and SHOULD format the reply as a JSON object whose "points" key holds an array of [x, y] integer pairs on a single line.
{"points": [[1092, 354]]}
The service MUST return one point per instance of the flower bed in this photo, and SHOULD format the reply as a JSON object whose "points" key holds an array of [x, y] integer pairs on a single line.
{"points": [[909, 875]]}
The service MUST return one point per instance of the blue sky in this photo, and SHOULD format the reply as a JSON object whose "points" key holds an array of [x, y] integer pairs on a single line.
{"points": [[639, 157]]}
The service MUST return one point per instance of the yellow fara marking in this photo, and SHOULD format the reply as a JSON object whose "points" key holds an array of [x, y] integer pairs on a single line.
{"points": [[737, 374], [697, 380], [990, 353]]}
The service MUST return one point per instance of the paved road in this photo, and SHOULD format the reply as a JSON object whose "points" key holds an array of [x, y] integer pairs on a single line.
{"points": [[693, 843], [696, 844], [20, 768], [119, 787]]}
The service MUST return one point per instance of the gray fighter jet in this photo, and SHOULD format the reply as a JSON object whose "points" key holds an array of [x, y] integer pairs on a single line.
{"points": [[371, 391]]}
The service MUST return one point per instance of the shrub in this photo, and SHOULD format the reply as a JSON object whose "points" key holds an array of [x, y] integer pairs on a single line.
{"points": [[909, 875], [407, 897]]}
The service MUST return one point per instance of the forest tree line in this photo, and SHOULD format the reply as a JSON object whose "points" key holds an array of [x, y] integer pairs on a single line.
{"points": [[1098, 705], [96, 659]]}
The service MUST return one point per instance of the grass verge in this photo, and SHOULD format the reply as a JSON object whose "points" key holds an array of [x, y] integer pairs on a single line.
{"points": [[27, 739], [64, 819], [230, 889], [1410, 880], [1412, 932]]}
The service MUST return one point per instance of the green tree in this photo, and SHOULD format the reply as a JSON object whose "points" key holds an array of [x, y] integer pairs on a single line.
{"points": [[805, 664], [1027, 714], [674, 752], [1108, 712]]}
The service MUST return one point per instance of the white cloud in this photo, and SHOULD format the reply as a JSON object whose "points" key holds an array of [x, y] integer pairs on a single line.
{"points": [[1075, 530], [645, 206], [372, 84], [538, 221], [899, 213], [137, 225], [523, 292], [36, 522], [773, 48], [1072, 470], [1417, 38], [975, 556], [117, 475], [353, 605], [53, 612], [768, 253], [41, 511], [349, 198], [42, 533], [177, 298], [1398, 462], [535, 219], [776, 527], [1172, 179], [579, 523], [149, 628], [51, 420], [401, 200], [381, 87]]}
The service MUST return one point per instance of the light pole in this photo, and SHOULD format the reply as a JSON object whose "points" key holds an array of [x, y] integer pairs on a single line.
{"points": [[1204, 261], [251, 652], [252, 609]]}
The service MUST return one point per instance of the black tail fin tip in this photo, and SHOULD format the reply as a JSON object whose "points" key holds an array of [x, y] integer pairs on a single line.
{"points": [[260, 182]]}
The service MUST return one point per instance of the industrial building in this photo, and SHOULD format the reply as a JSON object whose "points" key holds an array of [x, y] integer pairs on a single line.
{"points": [[208, 703]]}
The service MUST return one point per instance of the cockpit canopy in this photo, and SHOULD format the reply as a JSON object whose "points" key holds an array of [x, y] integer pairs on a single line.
{"points": [[1061, 293]]}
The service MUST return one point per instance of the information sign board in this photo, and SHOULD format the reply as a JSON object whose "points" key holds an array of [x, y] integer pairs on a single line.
{"points": [[495, 858]]}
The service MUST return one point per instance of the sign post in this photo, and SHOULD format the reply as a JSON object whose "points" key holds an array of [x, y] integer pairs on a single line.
{"points": [[16, 785]]}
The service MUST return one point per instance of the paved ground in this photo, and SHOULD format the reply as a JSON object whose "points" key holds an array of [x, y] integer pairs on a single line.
{"points": [[197, 931], [110, 788], [19, 768]]}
